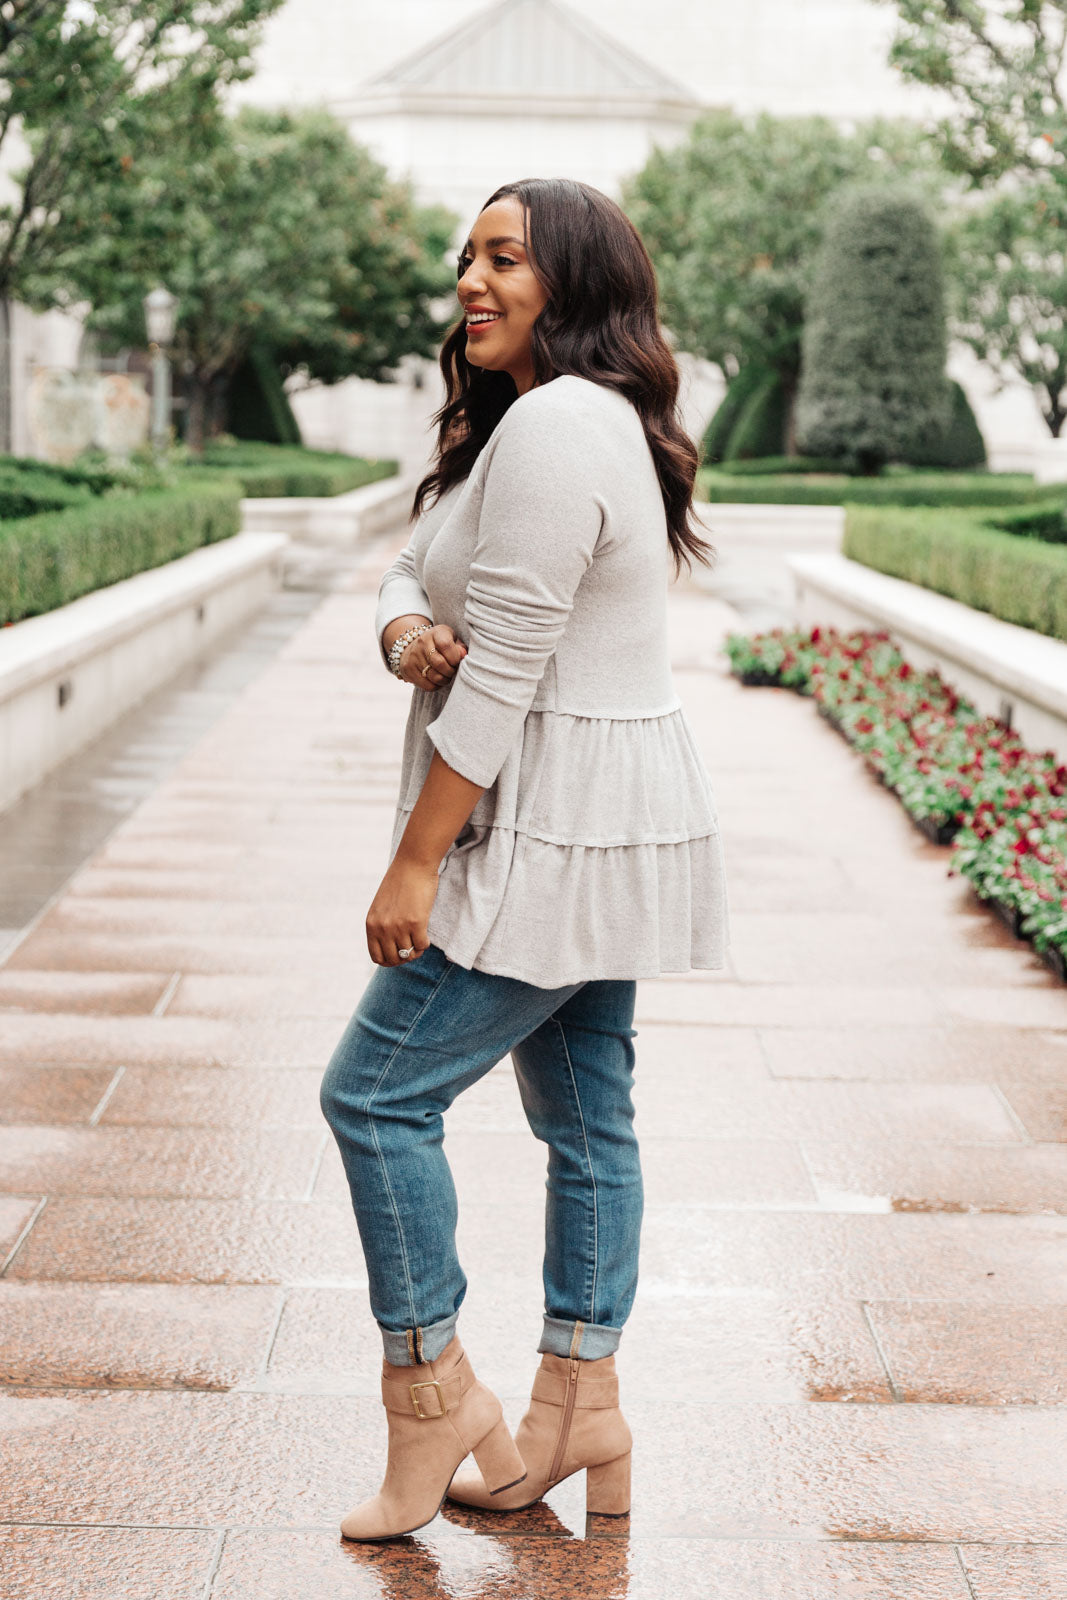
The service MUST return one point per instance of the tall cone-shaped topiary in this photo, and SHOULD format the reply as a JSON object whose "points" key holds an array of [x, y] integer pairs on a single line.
{"points": [[872, 380]]}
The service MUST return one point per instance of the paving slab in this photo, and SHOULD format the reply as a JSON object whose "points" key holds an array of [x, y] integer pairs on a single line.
{"points": [[845, 1367]]}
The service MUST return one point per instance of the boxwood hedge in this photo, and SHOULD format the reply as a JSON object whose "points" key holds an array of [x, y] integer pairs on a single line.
{"points": [[892, 489], [48, 560], [1019, 578], [268, 471]]}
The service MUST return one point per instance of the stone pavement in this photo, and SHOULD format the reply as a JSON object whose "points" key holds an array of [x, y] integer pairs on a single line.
{"points": [[847, 1367]]}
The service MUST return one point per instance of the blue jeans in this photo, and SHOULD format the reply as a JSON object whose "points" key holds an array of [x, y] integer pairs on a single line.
{"points": [[421, 1034]]}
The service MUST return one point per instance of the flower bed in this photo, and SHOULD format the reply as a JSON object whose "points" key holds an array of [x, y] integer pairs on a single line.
{"points": [[962, 777]]}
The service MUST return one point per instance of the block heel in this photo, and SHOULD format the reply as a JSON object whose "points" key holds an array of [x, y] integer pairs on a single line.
{"points": [[607, 1488], [573, 1424], [499, 1461]]}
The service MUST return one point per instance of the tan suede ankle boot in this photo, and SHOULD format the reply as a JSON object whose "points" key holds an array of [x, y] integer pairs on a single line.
{"points": [[573, 1422], [437, 1413]]}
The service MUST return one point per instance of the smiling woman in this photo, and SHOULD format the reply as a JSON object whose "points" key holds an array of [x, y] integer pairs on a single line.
{"points": [[555, 839], [500, 293]]}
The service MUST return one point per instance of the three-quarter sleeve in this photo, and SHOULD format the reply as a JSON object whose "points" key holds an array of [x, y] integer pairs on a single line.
{"points": [[540, 519], [400, 594]]}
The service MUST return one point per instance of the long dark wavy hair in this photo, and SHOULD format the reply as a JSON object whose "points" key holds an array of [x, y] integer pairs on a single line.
{"points": [[600, 321]]}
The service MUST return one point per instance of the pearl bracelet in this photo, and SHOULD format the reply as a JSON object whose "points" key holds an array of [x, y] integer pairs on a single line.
{"points": [[401, 642]]}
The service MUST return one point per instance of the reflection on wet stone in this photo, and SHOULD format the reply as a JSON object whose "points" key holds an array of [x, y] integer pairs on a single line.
{"points": [[845, 1368]]}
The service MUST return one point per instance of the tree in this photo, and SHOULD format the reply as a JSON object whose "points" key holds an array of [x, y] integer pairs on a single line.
{"points": [[873, 382], [1001, 67], [1010, 294], [277, 231], [383, 286], [733, 219], [85, 89]]}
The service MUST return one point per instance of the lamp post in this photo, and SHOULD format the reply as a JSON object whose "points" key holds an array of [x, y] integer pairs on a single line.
{"points": [[160, 315]]}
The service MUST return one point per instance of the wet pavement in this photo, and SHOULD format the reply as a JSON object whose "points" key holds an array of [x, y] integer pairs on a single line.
{"points": [[847, 1366]]}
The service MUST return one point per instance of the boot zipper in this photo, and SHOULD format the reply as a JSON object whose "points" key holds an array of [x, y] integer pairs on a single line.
{"points": [[565, 1423]]}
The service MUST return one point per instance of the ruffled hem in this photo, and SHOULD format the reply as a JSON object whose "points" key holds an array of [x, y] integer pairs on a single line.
{"points": [[553, 915], [584, 780]]}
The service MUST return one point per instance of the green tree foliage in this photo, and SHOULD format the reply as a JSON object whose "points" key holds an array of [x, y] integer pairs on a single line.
{"points": [[276, 231], [875, 342], [733, 218], [1009, 292], [85, 89], [1001, 67]]}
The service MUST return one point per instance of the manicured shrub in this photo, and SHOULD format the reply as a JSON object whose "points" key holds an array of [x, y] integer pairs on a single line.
{"points": [[959, 445], [760, 428], [257, 404], [267, 471], [725, 486], [1021, 580], [719, 430], [46, 561], [782, 466], [1048, 522], [23, 493], [872, 382]]}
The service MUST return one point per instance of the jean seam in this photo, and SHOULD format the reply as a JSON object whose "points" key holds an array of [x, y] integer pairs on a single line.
{"points": [[368, 1113], [589, 1163]]}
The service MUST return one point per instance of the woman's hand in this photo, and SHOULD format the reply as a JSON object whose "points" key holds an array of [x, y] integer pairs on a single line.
{"points": [[400, 912], [432, 658]]}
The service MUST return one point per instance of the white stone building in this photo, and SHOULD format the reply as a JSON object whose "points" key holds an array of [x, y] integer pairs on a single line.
{"points": [[522, 88]]}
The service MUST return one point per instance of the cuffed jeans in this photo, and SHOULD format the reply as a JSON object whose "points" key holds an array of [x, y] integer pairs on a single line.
{"points": [[421, 1034]]}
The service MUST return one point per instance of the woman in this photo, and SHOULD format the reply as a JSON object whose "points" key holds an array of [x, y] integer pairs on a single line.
{"points": [[555, 840]]}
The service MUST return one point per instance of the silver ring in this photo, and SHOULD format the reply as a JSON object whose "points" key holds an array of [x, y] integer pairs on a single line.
{"points": [[405, 953]]}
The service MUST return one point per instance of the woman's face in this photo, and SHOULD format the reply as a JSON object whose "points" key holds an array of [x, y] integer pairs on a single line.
{"points": [[496, 277]]}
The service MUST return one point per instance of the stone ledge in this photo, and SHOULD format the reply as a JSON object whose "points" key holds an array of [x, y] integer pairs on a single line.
{"points": [[67, 675], [773, 525], [1000, 667], [345, 519]]}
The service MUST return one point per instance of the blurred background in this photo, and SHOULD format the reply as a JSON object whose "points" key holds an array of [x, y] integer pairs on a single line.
{"points": [[297, 173]]}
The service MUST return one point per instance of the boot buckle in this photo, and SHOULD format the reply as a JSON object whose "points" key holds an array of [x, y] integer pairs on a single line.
{"points": [[428, 1416]]}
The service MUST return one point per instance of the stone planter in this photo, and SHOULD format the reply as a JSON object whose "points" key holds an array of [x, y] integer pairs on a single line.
{"points": [[1010, 915], [936, 832], [1054, 958]]}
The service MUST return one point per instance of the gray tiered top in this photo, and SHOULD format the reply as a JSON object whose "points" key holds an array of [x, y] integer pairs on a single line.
{"points": [[594, 851]]}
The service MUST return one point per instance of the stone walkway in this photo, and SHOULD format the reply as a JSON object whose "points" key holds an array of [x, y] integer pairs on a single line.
{"points": [[847, 1368]]}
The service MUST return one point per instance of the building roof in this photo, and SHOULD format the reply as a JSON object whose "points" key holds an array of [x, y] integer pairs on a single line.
{"points": [[529, 47]]}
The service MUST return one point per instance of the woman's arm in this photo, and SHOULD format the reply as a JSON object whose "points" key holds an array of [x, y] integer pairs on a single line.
{"points": [[430, 659], [541, 518], [401, 909]]}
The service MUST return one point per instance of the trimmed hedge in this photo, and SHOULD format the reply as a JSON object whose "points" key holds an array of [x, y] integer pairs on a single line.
{"points": [[1019, 579], [1048, 522], [46, 561], [782, 467], [266, 471], [894, 489], [23, 493]]}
